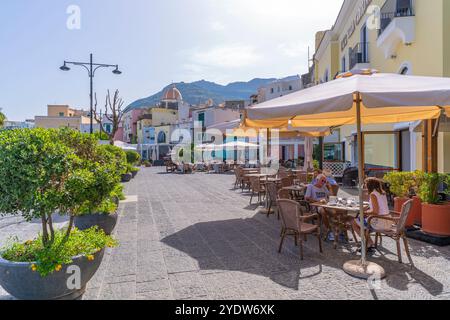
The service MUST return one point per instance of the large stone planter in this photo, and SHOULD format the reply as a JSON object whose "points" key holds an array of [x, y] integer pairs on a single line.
{"points": [[436, 219], [20, 281], [106, 222], [126, 177]]}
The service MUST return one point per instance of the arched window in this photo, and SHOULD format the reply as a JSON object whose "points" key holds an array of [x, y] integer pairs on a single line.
{"points": [[161, 137]]}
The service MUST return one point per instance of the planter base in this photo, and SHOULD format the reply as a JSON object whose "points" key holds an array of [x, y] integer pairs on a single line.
{"points": [[357, 270], [19, 281], [428, 238]]}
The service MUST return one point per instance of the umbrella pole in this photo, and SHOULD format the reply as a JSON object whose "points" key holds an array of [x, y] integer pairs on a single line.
{"points": [[362, 268]]}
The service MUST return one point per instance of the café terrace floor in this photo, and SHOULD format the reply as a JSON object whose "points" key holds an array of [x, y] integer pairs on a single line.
{"points": [[195, 237]]}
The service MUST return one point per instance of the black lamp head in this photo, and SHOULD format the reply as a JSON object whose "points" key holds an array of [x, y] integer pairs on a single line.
{"points": [[64, 67]]}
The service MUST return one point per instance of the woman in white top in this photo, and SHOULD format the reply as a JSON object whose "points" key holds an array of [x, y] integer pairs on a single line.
{"points": [[378, 206]]}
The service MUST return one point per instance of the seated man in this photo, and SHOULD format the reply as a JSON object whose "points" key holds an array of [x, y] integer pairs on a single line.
{"points": [[318, 192]]}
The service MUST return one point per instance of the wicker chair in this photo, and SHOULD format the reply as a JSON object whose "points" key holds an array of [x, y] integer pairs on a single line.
{"points": [[334, 190], [272, 191], [294, 223], [287, 182], [238, 175], [396, 231], [302, 177], [257, 188], [284, 194]]}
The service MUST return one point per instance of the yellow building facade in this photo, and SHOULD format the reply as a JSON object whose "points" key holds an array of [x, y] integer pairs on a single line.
{"points": [[60, 116], [392, 36]]}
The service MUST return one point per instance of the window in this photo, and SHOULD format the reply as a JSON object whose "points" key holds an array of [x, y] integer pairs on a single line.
{"points": [[333, 152], [161, 137], [272, 90], [344, 67], [61, 114], [201, 118], [290, 88]]}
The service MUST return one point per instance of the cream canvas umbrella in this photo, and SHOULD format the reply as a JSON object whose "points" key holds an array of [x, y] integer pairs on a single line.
{"points": [[368, 98]]}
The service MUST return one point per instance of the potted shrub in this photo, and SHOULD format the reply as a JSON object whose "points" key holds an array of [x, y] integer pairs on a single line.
{"points": [[39, 173], [132, 157], [103, 190], [147, 163], [133, 170], [404, 185], [120, 160], [435, 211]]}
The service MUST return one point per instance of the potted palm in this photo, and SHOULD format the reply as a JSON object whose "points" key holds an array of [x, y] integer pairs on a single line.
{"points": [[405, 185], [435, 210], [41, 175]]}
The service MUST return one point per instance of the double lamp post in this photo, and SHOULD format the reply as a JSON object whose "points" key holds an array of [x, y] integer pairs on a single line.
{"points": [[91, 67]]}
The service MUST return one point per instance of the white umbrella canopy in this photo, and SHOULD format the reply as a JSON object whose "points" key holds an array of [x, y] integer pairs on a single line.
{"points": [[238, 145], [403, 98]]}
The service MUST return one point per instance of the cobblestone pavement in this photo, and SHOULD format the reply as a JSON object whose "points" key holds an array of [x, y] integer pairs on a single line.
{"points": [[194, 237]]}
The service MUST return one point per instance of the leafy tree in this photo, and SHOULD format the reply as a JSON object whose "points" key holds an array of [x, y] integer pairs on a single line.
{"points": [[2, 118], [34, 167], [43, 171]]}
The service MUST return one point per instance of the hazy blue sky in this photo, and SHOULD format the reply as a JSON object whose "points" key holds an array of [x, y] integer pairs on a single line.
{"points": [[155, 42]]}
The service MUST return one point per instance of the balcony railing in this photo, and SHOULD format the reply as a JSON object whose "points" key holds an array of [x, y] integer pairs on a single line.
{"points": [[387, 17], [359, 54]]}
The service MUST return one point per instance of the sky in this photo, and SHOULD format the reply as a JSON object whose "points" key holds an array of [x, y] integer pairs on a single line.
{"points": [[154, 42]]}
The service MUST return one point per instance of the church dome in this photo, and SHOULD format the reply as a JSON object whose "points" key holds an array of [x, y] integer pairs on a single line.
{"points": [[173, 94]]}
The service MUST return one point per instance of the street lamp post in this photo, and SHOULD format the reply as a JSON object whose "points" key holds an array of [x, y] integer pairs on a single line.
{"points": [[91, 67]]}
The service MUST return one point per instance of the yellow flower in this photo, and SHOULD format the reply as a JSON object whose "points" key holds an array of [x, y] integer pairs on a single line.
{"points": [[33, 267], [58, 268], [90, 257]]}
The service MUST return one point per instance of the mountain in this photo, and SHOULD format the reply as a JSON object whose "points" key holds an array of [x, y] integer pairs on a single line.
{"points": [[200, 91]]}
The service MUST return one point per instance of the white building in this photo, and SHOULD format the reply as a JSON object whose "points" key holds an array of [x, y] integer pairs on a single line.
{"points": [[279, 88], [27, 124]]}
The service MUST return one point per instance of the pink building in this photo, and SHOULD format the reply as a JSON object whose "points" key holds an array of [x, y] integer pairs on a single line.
{"points": [[129, 127]]}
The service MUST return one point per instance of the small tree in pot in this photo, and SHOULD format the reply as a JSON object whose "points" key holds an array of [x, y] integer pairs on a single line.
{"points": [[405, 186], [93, 184], [38, 169], [435, 211]]}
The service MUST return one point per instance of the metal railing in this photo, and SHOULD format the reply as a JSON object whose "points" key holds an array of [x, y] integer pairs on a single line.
{"points": [[359, 54], [387, 17]]}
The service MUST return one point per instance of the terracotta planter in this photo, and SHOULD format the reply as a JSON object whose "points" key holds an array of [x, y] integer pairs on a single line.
{"points": [[416, 211], [436, 219], [415, 216]]}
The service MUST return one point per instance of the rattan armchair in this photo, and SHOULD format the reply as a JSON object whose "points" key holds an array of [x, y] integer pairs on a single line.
{"points": [[257, 188], [395, 231], [296, 224]]}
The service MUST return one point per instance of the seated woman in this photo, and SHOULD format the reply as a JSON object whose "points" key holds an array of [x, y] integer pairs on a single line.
{"points": [[378, 206]]}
